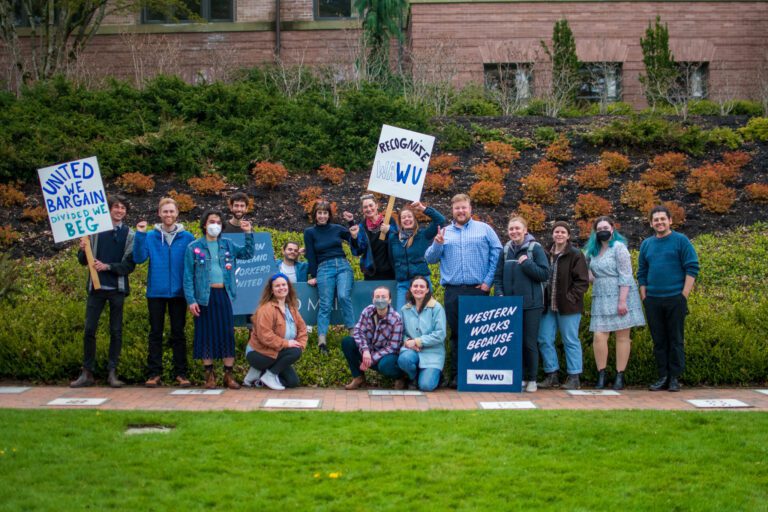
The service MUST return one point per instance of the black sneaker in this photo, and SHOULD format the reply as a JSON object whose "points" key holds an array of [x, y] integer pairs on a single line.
{"points": [[674, 384], [660, 385], [572, 382], [550, 381], [323, 349]]}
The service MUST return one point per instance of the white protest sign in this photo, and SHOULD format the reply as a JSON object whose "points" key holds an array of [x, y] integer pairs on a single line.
{"points": [[402, 159], [75, 199]]}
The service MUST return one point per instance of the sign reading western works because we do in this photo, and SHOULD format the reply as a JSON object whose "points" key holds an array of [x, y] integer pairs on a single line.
{"points": [[490, 343], [75, 199], [402, 159]]}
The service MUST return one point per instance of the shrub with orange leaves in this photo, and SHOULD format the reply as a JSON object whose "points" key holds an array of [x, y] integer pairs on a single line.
{"points": [[540, 188], [545, 167], [736, 159], [209, 184], [8, 236], [718, 200], [136, 183], [658, 179], [184, 202], [757, 192], [676, 211], [334, 175], [10, 195], [593, 176], [533, 214], [501, 153], [671, 162], [709, 177], [444, 163], [639, 196], [490, 172], [584, 226], [590, 206], [269, 175], [616, 163], [438, 182], [487, 192], [560, 150], [308, 196], [35, 214]]}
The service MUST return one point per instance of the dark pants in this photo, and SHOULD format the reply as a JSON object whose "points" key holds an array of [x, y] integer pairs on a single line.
{"points": [[451, 298], [387, 365], [177, 312], [93, 308], [531, 321], [666, 321], [282, 366]]}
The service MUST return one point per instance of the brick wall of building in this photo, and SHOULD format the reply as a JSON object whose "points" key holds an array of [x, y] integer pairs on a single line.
{"points": [[732, 37]]}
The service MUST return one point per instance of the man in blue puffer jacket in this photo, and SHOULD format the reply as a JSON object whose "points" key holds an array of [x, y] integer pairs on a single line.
{"points": [[165, 246]]}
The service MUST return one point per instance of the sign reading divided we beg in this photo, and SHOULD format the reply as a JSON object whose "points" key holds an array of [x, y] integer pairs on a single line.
{"points": [[75, 199], [402, 159]]}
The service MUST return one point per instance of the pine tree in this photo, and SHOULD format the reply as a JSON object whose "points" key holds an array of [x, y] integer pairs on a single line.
{"points": [[382, 20], [565, 63], [660, 67]]}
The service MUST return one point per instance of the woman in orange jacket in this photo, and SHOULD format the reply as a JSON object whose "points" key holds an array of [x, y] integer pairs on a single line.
{"points": [[278, 338]]}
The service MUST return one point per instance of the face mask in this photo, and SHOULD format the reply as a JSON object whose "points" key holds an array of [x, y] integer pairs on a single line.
{"points": [[604, 236], [213, 230], [381, 303]]}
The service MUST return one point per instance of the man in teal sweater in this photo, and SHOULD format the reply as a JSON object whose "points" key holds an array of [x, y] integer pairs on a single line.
{"points": [[667, 268]]}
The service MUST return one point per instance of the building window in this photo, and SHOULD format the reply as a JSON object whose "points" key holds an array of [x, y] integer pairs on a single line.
{"points": [[691, 82], [600, 82], [198, 10], [513, 80], [325, 9]]}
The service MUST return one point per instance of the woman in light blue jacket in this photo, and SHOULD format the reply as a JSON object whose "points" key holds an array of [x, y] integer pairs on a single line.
{"points": [[423, 353]]}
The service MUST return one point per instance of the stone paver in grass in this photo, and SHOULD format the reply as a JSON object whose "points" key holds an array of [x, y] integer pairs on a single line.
{"points": [[78, 401], [526, 404], [720, 403]]}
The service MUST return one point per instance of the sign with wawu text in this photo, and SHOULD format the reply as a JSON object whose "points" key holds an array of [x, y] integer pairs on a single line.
{"points": [[490, 343], [75, 199], [400, 166]]}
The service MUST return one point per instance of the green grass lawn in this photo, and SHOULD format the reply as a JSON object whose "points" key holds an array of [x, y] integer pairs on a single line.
{"points": [[437, 460]]}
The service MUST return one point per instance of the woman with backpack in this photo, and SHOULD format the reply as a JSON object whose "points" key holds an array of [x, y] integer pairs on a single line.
{"points": [[523, 270]]}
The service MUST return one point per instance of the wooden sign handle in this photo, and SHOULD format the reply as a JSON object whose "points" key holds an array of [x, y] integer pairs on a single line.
{"points": [[89, 256], [388, 215]]}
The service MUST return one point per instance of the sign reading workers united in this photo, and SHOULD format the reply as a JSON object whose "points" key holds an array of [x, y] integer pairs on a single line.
{"points": [[490, 343], [251, 275], [402, 159], [75, 199]]}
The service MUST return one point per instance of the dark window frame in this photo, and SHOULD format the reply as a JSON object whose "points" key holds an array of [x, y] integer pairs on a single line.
{"points": [[204, 12], [318, 16], [684, 82], [593, 81], [492, 76]]}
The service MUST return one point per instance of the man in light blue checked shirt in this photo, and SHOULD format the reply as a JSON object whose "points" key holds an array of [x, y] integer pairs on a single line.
{"points": [[468, 251]]}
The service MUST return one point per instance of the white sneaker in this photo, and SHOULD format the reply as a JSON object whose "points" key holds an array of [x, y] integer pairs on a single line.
{"points": [[523, 384], [252, 378], [272, 381], [531, 387]]}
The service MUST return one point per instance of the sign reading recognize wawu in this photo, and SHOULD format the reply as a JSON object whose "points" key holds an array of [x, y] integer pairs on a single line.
{"points": [[402, 159], [75, 199]]}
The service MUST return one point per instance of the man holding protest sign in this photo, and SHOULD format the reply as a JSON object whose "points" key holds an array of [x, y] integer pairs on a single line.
{"points": [[468, 251], [113, 261]]}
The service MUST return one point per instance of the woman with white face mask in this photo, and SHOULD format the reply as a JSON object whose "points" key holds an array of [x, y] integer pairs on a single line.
{"points": [[209, 287], [616, 303]]}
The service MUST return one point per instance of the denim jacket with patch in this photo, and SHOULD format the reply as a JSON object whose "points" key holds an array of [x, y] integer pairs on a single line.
{"points": [[197, 259]]}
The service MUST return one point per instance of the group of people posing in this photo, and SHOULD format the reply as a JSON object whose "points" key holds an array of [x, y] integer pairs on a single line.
{"points": [[401, 337]]}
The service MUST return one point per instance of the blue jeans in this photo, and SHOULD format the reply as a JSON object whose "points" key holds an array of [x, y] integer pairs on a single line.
{"points": [[334, 279], [568, 325], [402, 290], [387, 365], [428, 378]]}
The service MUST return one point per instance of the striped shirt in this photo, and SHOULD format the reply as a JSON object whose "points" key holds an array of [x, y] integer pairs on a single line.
{"points": [[468, 255]]}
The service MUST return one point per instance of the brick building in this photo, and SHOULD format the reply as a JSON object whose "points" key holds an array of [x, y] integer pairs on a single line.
{"points": [[724, 43]]}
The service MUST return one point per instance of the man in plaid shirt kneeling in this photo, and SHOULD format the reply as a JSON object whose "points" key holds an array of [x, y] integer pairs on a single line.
{"points": [[376, 343]]}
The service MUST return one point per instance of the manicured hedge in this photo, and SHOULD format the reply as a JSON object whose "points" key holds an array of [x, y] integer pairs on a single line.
{"points": [[726, 332]]}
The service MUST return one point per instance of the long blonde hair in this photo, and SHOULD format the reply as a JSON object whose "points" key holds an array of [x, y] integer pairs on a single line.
{"points": [[415, 224]]}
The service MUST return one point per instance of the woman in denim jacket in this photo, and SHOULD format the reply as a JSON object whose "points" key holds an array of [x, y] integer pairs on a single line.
{"points": [[209, 287]]}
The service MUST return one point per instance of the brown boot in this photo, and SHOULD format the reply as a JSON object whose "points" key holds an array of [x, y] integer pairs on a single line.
{"points": [[356, 383], [83, 381], [400, 384], [210, 379], [229, 382], [113, 380]]}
